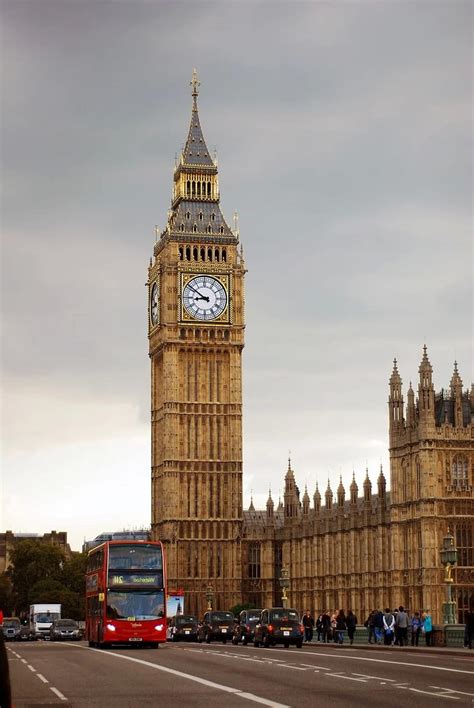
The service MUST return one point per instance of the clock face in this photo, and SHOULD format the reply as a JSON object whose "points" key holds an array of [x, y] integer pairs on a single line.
{"points": [[154, 304], [204, 297]]}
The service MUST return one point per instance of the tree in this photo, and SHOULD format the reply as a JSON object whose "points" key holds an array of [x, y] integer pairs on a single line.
{"points": [[32, 561], [7, 601], [237, 609]]}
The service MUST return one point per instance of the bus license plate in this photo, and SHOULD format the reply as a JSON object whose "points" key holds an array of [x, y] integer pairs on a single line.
{"points": [[135, 639], [286, 634], [186, 631], [224, 629]]}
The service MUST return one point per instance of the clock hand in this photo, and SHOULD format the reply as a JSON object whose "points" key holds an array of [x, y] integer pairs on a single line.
{"points": [[203, 297], [196, 291]]}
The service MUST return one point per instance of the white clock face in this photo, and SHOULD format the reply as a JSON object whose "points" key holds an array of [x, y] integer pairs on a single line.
{"points": [[204, 297], [154, 304]]}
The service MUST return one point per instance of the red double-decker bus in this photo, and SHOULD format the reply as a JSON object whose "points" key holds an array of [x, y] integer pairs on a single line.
{"points": [[125, 594]]}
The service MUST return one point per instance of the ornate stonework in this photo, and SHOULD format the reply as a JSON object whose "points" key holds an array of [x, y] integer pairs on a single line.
{"points": [[362, 552]]}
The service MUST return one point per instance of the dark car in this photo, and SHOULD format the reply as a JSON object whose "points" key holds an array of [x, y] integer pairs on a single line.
{"points": [[11, 629], [64, 629], [216, 625], [279, 625], [183, 628], [245, 627]]}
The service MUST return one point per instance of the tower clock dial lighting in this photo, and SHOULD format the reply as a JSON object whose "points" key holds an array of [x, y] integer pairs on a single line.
{"points": [[204, 297]]}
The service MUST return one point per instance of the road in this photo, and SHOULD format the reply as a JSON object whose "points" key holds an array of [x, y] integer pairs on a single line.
{"points": [[73, 674]]}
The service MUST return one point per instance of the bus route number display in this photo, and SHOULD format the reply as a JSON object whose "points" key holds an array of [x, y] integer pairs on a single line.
{"points": [[135, 579]]}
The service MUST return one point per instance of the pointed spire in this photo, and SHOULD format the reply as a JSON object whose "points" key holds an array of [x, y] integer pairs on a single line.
{"points": [[367, 486], [195, 151], [341, 493], [317, 498], [251, 507], [456, 381], [328, 496], [305, 501], [354, 490], [395, 377], [270, 505]]}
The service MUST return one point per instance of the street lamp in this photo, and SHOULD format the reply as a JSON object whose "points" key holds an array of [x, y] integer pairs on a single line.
{"points": [[209, 597], [284, 584], [449, 557]]}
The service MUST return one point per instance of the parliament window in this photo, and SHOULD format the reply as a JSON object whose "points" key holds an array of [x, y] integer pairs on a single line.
{"points": [[459, 472], [254, 560], [463, 534]]}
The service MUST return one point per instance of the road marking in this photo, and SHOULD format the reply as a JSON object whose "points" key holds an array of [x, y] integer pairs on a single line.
{"points": [[42, 678], [348, 678], [315, 666], [385, 661], [288, 666], [23, 660], [452, 690], [190, 677], [58, 693], [438, 695], [381, 678], [31, 668]]}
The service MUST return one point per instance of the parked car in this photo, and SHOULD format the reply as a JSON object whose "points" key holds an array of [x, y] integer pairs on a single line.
{"points": [[216, 625], [11, 629], [245, 627], [279, 625], [64, 629], [183, 628]]}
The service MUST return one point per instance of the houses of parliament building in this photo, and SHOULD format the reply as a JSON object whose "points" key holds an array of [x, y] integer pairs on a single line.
{"points": [[359, 548]]}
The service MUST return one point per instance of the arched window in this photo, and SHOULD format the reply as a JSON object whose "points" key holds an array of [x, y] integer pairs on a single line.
{"points": [[222, 229], [194, 189], [188, 253], [195, 253], [182, 227], [203, 254], [188, 188], [180, 250], [208, 189], [200, 216], [199, 189], [216, 254], [213, 216], [224, 255], [195, 228], [188, 215], [209, 229], [209, 254]]}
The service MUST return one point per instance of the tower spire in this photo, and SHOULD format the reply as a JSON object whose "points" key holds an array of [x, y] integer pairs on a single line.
{"points": [[195, 83]]}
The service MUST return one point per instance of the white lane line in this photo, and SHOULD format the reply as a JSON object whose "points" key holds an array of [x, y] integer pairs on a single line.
{"points": [[288, 666], [315, 666], [348, 678], [452, 690], [190, 677], [381, 678], [42, 678], [31, 668], [58, 693], [438, 695], [23, 660], [384, 661]]}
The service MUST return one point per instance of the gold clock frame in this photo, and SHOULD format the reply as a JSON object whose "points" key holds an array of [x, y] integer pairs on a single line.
{"points": [[225, 280]]}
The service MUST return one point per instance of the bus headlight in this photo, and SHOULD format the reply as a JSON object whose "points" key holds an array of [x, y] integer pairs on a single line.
{"points": [[111, 627], [159, 627]]}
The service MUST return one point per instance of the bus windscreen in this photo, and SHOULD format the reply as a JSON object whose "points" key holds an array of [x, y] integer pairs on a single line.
{"points": [[135, 605], [129, 557]]}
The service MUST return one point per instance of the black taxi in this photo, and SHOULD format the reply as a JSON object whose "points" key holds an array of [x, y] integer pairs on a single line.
{"points": [[279, 625], [217, 625]]}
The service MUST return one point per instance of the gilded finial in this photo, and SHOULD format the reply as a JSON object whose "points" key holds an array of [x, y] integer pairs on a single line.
{"points": [[156, 232], [195, 83]]}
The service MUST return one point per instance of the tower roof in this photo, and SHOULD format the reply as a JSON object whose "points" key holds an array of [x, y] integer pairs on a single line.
{"points": [[195, 151], [456, 381], [395, 377], [425, 364]]}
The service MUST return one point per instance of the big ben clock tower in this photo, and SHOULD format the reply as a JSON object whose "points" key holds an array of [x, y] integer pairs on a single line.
{"points": [[196, 337]]}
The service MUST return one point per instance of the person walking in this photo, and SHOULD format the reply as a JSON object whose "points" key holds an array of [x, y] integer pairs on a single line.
{"points": [[319, 627], [415, 624], [401, 624], [370, 624], [341, 626], [308, 624], [388, 627], [351, 623], [326, 626], [427, 627], [378, 626], [469, 634]]}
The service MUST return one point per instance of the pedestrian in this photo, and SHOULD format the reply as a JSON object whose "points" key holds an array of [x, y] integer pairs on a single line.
{"points": [[378, 626], [469, 633], [326, 626], [369, 623], [427, 627], [319, 626], [415, 624], [333, 627], [401, 624], [341, 626], [388, 627], [5, 688], [395, 633], [351, 623], [308, 624]]}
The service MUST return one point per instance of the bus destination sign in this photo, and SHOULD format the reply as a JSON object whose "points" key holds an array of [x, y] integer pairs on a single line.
{"points": [[136, 579]]}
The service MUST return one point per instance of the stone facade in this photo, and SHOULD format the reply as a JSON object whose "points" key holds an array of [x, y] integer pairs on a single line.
{"points": [[362, 552]]}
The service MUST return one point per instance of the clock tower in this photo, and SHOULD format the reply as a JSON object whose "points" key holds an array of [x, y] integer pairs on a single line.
{"points": [[196, 337]]}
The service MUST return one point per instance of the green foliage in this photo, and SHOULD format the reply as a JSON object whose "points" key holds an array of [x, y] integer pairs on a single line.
{"points": [[41, 573], [237, 609], [7, 600]]}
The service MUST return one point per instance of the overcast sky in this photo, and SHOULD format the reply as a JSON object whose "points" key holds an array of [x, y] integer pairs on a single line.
{"points": [[344, 136]]}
